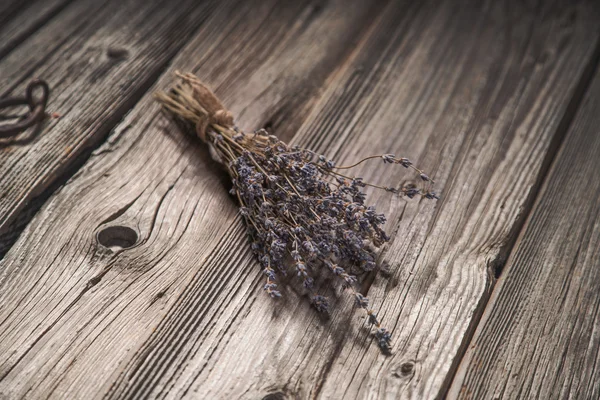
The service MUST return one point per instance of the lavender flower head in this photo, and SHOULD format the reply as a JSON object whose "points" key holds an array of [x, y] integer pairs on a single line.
{"points": [[304, 214]]}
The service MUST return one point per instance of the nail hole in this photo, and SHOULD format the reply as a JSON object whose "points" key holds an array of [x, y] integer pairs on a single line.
{"points": [[275, 396], [117, 53], [407, 368], [496, 267], [117, 237]]}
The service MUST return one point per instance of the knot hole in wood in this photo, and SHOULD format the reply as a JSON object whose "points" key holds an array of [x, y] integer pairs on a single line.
{"points": [[117, 53], [406, 370], [117, 237]]}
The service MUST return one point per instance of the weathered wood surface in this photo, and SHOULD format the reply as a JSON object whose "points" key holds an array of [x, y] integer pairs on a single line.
{"points": [[478, 94], [538, 337], [19, 19], [98, 58], [479, 105]]}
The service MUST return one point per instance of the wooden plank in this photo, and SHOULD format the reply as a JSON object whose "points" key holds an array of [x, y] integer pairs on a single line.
{"points": [[25, 19], [162, 184], [538, 337], [98, 58], [482, 105], [181, 313], [8, 10]]}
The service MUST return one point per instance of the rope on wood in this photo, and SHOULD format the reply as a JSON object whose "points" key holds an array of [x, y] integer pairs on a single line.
{"points": [[213, 111]]}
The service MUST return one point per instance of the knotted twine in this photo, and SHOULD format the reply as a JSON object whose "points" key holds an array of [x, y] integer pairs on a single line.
{"points": [[212, 111]]}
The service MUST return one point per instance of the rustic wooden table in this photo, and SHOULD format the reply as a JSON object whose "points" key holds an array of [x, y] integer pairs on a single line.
{"points": [[125, 269]]}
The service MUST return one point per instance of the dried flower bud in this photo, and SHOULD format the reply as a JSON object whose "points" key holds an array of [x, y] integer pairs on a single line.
{"points": [[361, 300], [405, 162], [321, 303], [388, 158], [271, 290], [373, 318], [384, 338]]}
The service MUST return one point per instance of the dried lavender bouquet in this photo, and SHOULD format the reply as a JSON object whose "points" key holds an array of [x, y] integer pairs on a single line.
{"points": [[304, 214]]}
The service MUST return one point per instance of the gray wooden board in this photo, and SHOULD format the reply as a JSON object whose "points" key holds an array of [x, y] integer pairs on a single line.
{"points": [[475, 93], [538, 336], [19, 19], [98, 58]]}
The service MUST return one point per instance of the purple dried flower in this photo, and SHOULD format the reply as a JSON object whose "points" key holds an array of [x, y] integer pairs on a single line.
{"points": [[349, 279], [388, 158], [321, 303], [271, 290], [303, 213], [410, 192], [361, 300], [301, 268], [269, 273], [431, 195], [308, 282], [384, 338], [373, 318], [405, 162]]}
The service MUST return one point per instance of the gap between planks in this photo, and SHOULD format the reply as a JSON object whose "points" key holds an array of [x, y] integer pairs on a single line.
{"points": [[564, 127], [538, 335]]}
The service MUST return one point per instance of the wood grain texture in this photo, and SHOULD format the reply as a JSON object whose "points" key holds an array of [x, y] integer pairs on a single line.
{"points": [[474, 93], [98, 58], [478, 104], [19, 19], [539, 337], [80, 305]]}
